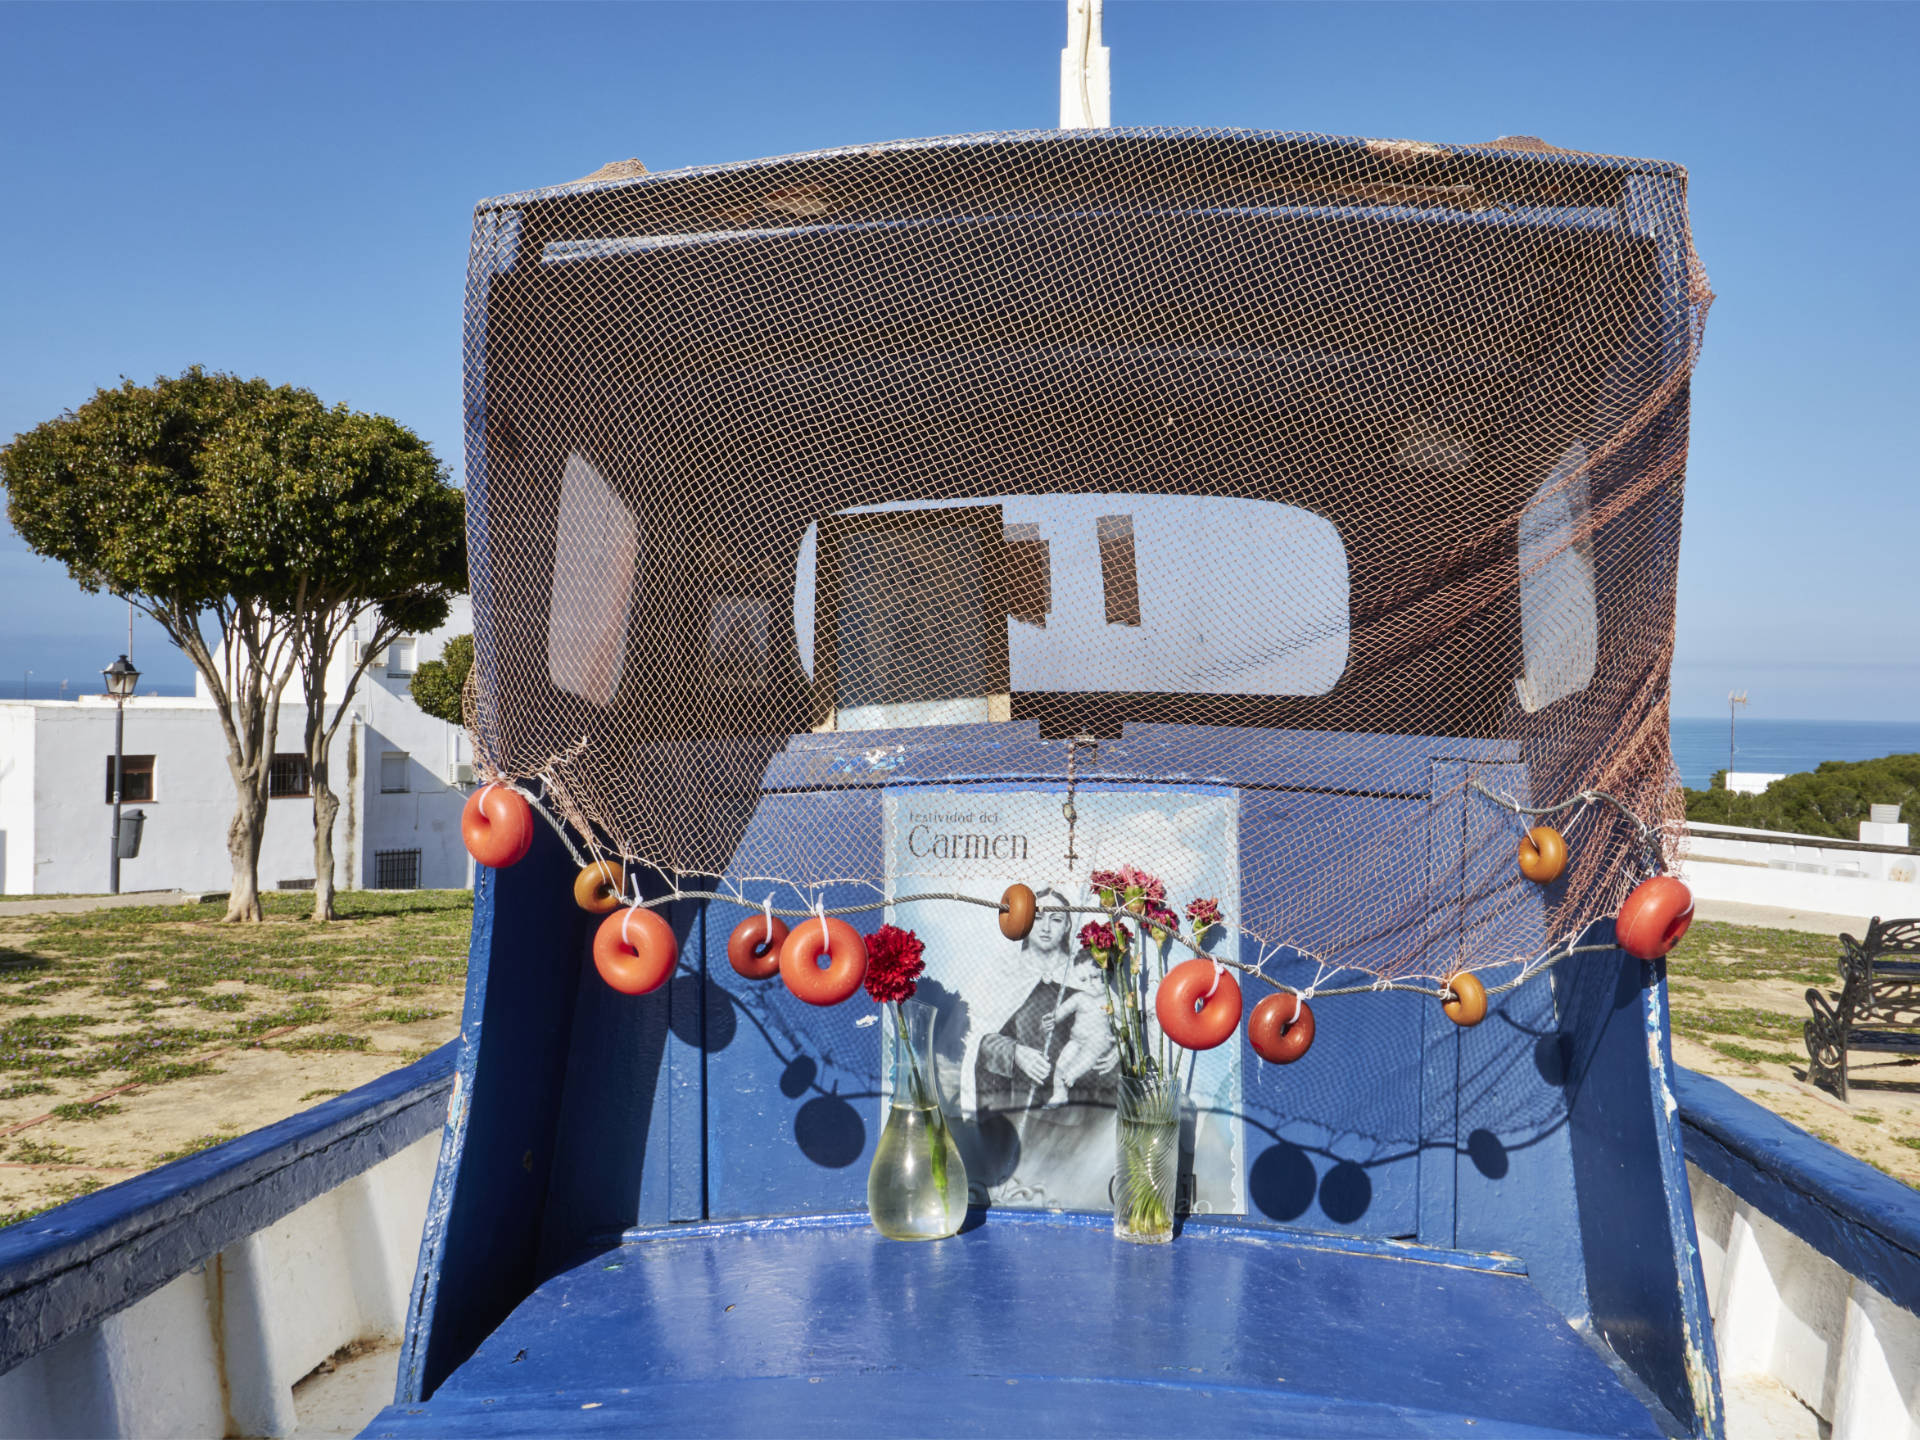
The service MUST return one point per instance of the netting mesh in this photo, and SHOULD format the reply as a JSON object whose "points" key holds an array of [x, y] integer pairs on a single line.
{"points": [[1089, 439]]}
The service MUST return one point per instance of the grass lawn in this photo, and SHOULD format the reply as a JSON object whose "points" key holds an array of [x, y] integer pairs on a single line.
{"points": [[130, 1037], [1738, 996]]}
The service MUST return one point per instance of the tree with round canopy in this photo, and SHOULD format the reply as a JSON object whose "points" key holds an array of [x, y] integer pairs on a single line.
{"points": [[258, 527]]}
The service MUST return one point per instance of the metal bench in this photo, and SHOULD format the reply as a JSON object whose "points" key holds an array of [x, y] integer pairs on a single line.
{"points": [[1879, 1005]]}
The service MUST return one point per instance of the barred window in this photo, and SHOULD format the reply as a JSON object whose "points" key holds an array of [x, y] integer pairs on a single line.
{"points": [[287, 777], [396, 869]]}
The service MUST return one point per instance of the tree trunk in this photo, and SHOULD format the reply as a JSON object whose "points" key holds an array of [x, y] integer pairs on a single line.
{"points": [[245, 682], [244, 833], [326, 805]]}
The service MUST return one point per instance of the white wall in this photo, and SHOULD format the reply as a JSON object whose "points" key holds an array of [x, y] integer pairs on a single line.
{"points": [[57, 824], [16, 799], [1755, 867], [184, 844]]}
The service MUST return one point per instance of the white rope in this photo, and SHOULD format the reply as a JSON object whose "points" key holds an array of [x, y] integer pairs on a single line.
{"points": [[1218, 971]]}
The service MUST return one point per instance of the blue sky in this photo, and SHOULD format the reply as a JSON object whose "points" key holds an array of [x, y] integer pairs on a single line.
{"points": [[287, 191]]}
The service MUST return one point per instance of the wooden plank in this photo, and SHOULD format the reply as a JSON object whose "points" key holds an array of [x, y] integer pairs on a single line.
{"points": [[1884, 1039], [480, 1251], [771, 1323]]}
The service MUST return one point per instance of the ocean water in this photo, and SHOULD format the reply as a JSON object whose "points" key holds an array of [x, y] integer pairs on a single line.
{"points": [[1783, 746]]}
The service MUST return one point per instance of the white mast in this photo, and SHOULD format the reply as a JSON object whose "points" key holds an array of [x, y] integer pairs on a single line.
{"points": [[1085, 90]]}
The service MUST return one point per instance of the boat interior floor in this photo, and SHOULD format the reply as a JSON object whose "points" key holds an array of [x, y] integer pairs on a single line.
{"points": [[1028, 1323]]}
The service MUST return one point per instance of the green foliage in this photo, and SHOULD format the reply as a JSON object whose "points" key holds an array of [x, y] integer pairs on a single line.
{"points": [[225, 505], [337, 1040], [67, 1190], [407, 1015], [33, 1152], [1750, 1056], [194, 1147], [202, 488], [1831, 800], [78, 1110], [160, 1072], [126, 490], [437, 684]]}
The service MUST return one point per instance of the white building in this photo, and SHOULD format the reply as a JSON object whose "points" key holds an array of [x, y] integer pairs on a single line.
{"points": [[401, 775]]}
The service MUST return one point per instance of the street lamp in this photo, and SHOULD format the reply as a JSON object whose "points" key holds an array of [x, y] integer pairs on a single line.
{"points": [[121, 678], [1734, 697]]}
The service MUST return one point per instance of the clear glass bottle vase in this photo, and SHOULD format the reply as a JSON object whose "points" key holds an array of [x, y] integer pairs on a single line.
{"points": [[917, 1188], [1146, 1158]]}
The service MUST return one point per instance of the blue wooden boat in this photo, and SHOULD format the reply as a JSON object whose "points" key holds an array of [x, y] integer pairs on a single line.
{"points": [[649, 1213]]}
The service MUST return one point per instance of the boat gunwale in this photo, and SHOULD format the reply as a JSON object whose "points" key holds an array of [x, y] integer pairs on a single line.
{"points": [[1866, 1222], [90, 1258]]}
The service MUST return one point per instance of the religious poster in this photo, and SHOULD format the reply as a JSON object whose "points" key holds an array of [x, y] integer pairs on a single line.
{"points": [[1026, 1063]]}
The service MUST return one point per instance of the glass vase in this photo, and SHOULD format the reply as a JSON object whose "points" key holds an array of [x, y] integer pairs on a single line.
{"points": [[917, 1188], [1146, 1158]]}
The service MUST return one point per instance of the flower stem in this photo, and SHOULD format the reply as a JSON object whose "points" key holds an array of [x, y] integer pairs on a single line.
{"points": [[926, 1098]]}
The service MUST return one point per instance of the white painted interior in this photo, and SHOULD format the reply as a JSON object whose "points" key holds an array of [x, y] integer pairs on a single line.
{"points": [[219, 1350], [1787, 1316], [55, 821]]}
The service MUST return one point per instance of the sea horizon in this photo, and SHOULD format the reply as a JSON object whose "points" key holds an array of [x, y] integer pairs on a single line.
{"points": [[1781, 746]]}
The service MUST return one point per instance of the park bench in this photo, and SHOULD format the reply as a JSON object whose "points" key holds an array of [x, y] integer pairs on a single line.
{"points": [[1879, 1005]]}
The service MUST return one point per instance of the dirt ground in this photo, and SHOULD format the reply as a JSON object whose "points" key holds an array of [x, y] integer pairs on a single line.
{"points": [[1738, 997], [133, 1036]]}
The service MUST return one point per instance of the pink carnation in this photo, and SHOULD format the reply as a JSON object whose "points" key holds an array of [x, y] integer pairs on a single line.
{"points": [[1159, 918], [1204, 913]]}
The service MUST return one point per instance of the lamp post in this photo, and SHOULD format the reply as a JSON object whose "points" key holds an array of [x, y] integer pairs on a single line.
{"points": [[1734, 697], [121, 678]]}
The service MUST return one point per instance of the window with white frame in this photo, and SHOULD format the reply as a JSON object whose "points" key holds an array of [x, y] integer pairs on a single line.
{"points": [[400, 657], [394, 776]]}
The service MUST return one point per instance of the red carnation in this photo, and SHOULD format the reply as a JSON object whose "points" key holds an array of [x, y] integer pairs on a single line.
{"points": [[893, 963], [1098, 938]]}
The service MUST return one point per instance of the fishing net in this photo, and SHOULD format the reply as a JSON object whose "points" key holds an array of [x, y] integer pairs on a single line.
{"points": [[1075, 457]]}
